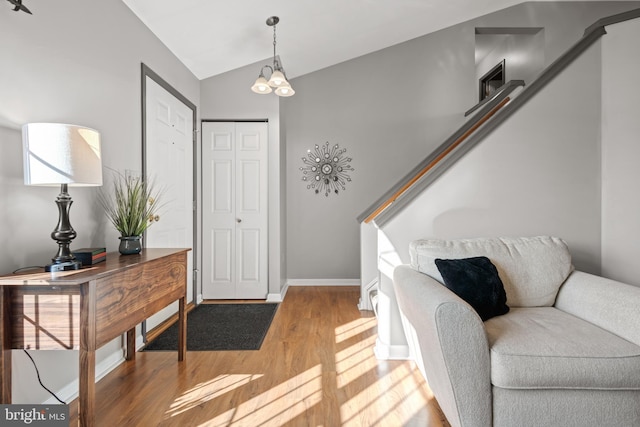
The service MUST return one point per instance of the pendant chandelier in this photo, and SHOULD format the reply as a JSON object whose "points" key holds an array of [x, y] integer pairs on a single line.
{"points": [[277, 81]]}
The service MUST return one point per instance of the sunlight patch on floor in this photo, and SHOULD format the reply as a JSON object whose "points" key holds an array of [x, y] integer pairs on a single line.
{"points": [[354, 361], [209, 390], [409, 394], [384, 396], [386, 401], [277, 405], [356, 327]]}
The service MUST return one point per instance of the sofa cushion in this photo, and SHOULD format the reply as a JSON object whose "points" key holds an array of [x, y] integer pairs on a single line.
{"points": [[531, 268], [543, 347], [476, 281]]}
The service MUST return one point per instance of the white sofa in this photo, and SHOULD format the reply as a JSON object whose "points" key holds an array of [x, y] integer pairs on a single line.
{"points": [[567, 353]]}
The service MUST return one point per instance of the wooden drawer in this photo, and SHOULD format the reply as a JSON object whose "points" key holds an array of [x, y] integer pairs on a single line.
{"points": [[129, 297]]}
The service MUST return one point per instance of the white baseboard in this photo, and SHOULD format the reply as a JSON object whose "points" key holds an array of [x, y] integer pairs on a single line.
{"points": [[139, 342], [71, 390], [391, 352], [278, 297], [365, 301], [323, 282]]}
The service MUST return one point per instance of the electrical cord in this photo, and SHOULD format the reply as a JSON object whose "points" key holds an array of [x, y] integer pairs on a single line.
{"points": [[31, 267], [28, 355], [40, 381]]}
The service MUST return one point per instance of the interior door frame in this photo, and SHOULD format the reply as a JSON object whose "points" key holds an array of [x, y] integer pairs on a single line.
{"points": [[148, 72]]}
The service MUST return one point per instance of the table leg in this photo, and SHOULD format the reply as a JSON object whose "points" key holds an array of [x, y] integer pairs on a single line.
{"points": [[131, 344], [86, 408], [5, 341], [182, 331], [87, 374]]}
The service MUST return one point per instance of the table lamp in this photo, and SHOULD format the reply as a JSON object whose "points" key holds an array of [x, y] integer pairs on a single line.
{"points": [[66, 155]]}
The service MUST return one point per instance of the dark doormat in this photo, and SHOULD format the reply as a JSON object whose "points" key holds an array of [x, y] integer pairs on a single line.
{"points": [[213, 327]]}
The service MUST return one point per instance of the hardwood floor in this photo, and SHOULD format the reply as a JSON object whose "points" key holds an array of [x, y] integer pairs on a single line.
{"points": [[316, 367]]}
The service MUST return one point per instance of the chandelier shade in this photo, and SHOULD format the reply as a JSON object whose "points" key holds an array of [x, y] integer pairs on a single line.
{"points": [[261, 85], [285, 89], [277, 79]]}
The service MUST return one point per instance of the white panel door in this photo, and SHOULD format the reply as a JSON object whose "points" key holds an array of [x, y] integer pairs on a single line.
{"points": [[169, 164], [235, 241], [218, 201]]}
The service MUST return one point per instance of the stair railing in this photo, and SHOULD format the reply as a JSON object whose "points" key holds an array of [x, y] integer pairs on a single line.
{"points": [[491, 115], [486, 109]]}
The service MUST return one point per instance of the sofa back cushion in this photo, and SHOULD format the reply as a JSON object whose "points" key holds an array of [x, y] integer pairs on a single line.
{"points": [[532, 269]]}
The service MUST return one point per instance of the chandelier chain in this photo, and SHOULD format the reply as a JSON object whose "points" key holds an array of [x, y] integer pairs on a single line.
{"points": [[274, 43]]}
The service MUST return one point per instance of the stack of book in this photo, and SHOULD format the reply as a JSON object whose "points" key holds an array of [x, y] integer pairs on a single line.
{"points": [[90, 256]]}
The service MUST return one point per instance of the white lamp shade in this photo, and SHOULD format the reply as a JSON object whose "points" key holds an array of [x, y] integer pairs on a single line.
{"points": [[261, 86], [57, 154], [285, 90], [277, 79]]}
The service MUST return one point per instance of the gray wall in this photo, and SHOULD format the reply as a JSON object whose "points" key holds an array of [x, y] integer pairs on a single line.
{"points": [[620, 153], [536, 174], [75, 62], [390, 109]]}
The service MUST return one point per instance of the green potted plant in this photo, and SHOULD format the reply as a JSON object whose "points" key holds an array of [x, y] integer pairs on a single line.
{"points": [[132, 207]]}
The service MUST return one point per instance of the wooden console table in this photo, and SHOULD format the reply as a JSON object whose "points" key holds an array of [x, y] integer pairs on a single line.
{"points": [[85, 309]]}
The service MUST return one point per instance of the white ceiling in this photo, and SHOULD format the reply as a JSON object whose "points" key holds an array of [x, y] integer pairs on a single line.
{"points": [[214, 36]]}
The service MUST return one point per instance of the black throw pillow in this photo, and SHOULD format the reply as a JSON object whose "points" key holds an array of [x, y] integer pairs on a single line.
{"points": [[476, 281]]}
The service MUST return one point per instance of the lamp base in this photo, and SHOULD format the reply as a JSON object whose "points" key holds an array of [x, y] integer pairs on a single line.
{"points": [[63, 235], [63, 266]]}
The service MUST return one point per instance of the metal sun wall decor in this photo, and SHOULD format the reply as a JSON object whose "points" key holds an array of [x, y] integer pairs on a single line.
{"points": [[325, 169]]}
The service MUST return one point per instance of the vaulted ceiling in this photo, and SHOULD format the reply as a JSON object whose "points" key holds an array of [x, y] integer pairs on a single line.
{"points": [[214, 36]]}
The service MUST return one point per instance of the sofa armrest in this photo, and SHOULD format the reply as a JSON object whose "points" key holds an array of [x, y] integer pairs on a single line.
{"points": [[452, 344], [609, 304]]}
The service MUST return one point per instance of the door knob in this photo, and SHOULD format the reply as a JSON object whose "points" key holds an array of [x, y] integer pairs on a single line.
{"points": [[238, 220]]}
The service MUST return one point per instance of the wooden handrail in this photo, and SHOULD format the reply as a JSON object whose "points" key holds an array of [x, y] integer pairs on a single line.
{"points": [[435, 161]]}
